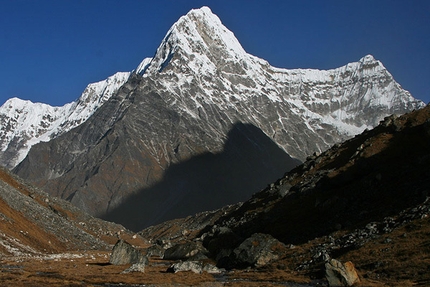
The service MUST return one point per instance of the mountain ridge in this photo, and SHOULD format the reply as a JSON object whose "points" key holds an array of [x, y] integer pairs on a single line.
{"points": [[25, 123]]}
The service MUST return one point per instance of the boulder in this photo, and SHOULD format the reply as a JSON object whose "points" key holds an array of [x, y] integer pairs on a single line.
{"points": [[339, 274], [257, 250], [221, 241], [123, 253], [183, 251], [164, 243], [155, 250]]}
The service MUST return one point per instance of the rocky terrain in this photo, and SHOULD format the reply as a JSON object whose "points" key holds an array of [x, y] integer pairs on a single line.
{"points": [[203, 124], [32, 222]]}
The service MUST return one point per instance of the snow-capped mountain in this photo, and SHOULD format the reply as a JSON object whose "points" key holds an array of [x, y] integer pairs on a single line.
{"points": [[203, 124], [199, 52], [23, 123]]}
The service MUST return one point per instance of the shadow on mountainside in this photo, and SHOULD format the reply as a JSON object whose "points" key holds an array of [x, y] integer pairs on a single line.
{"points": [[249, 162], [375, 175]]}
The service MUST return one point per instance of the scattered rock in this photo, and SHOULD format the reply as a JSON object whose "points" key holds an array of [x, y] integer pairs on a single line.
{"points": [[184, 251], [221, 241], [164, 243], [339, 274], [136, 267], [155, 250], [212, 269], [194, 266], [257, 250], [124, 253]]}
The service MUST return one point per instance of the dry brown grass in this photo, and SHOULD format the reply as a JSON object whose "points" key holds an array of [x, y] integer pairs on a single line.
{"points": [[94, 269]]}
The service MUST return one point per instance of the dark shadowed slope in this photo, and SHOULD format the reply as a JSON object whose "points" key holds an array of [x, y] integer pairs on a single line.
{"points": [[376, 174], [248, 162]]}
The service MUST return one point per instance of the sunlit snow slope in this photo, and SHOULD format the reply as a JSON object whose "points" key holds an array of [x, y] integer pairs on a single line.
{"points": [[24, 124]]}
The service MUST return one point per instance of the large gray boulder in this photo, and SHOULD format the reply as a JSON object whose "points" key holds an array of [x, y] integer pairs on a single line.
{"points": [[123, 253], [256, 251]]}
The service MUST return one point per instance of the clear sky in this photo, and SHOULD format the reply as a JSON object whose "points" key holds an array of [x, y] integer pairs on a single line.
{"points": [[50, 49]]}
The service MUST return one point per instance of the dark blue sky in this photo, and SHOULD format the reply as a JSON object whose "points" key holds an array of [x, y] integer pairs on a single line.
{"points": [[50, 50]]}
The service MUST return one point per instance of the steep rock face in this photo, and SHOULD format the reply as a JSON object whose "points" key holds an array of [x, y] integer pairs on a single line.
{"points": [[23, 123], [203, 124]]}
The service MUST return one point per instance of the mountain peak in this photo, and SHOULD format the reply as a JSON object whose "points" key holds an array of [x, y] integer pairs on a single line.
{"points": [[370, 61], [204, 11], [367, 59], [198, 41]]}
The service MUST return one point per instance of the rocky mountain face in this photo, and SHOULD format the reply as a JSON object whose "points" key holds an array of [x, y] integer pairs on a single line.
{"points": [[34, 224], [365, 200], [203, 124], [23, 123]]}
